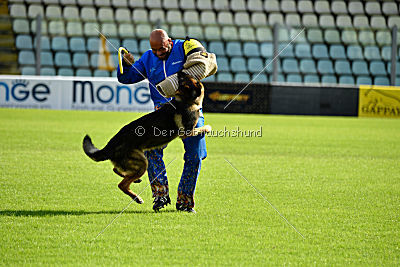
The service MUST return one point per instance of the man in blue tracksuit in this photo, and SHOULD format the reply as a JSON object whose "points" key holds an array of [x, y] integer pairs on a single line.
{"points": [[166, 58]]}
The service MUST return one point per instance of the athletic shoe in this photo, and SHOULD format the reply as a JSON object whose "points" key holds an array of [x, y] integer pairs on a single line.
{"points": [[160, 202], [179, 207]]}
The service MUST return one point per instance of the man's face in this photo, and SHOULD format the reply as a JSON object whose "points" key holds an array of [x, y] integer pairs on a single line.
{"points": [[161, 48]]}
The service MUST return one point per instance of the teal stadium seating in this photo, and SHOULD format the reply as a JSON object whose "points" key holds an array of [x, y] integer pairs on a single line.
{"points": [[346, 42]]}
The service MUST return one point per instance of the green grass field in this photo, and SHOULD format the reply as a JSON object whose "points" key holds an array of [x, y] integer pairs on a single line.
{"points": [[337, 180]]}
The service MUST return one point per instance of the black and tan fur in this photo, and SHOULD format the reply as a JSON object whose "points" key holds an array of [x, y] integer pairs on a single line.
{"points": [[176, 118]]}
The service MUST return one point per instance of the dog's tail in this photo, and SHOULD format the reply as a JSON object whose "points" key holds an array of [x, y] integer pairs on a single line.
{"points": [[93, 152]]}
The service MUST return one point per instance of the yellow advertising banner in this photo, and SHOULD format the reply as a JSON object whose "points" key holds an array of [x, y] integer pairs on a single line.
{"points": [[379, 101]]}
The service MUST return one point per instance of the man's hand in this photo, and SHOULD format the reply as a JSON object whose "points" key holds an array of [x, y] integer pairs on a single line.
{"points": [[128, 59]]}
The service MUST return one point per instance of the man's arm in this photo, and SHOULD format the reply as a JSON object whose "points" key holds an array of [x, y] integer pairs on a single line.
{"points": [[133, 72]]}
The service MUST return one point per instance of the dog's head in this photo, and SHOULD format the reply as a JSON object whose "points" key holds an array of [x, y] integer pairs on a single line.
{"points": [[189, 88]]}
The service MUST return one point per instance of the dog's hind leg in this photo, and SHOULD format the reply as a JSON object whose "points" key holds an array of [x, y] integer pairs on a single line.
{"points": [[124, 185]]}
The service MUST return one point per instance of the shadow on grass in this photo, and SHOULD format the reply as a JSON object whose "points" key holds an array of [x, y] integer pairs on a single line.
{"points": [[44, 213]]}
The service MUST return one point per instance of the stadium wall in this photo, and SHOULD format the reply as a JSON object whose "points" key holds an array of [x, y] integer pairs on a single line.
{"points": [[107, 94]]}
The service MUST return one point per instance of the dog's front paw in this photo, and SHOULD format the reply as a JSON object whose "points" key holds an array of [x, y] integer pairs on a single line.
{"points": [[138, 200]]}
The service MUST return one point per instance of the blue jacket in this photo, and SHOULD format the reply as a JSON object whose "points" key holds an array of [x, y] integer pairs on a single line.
{"points": [[154, 69]]}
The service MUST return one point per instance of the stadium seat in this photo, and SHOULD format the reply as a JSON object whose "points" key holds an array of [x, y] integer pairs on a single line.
{"points": [[329, 79], [258, 19], [178, 32], [269, 65], [191, 17], [259, 78], [267, 50], [80, 60], [247, 34], [373, 8], [238, 5], [56, 27], [290, 65], [71, 13], [53, 12], [263, 34], [224, 77], [77, 44], [143, 31], [18, 11], [83, 73], [242, 19], [225, 18], [309, 20], [156, 16], [23, 42], [93, 44], [140, 16], [355, 8], [153, 3], [363, 80], [322, 7], [378, 22], [242, 77], [326, 21], [344, 21], [292, 20], [354, 52], [26, 57], [46, 59], [305, 6], [349, 37], [298, 35], [338, 7], [366, 37], [311, 78], [238, 64], [285, 50], [21, 26], [208, 18], [47, 71], [223, 64], [255, 6], [307, 66], [144, 45], [283, 35], [332, 36], [88, 13], [293, 78], [209, 79], [119, 3], [372, 53], [63, 59], [303, 51], [360, 22], [125, 30], [35, 10], [234, 49], [383, 38], [275, 18], [381, 80], [320, 51], [187, 4], [389, 8], [170, 4], [101, 73], [342, 67], [212, 33], [346, 79], [74, 28], [123, 15], [255, 65], [59, 43], [271, 6], [100, 3], [229, 33], [204, 5], [196, 32], [251, 49], [288, 6], [217, 48], [28, 71], [377, 68], [394, 20], [337, 52], [386, 53], [314, 36], [44, 43], [325, 67], [65, 72], [360, 68], [131, 45]]}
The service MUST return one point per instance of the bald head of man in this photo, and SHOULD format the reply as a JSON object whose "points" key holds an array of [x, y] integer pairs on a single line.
{"points": [[160, 43]]}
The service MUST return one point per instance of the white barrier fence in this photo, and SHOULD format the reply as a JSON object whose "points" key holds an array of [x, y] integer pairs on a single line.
{"points": [[75, 93]]}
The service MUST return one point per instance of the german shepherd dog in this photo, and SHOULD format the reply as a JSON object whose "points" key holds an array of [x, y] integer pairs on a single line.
{"points": [[176, 118]]}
